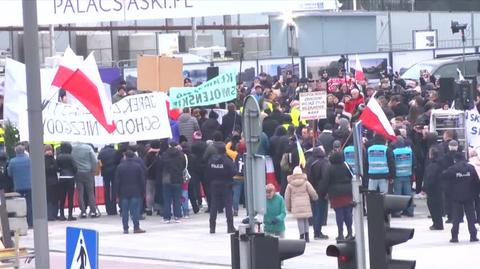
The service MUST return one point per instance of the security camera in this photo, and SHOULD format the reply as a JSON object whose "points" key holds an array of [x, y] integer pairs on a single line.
{"points": [[457, 27]]}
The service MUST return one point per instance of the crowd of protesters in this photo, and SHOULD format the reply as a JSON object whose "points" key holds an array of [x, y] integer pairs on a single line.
{"points": [[204, 159]]}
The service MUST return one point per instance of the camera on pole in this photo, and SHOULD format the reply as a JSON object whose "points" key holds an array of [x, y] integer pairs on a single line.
{"points": [[381, 236], [345, 251], [251, 249]]}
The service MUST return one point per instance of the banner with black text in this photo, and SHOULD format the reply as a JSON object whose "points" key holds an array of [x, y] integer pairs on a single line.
{"points": [[137, 117]]}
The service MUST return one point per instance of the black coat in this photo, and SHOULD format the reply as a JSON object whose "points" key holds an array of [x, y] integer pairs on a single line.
{"points": [[339, 177], [317, 168], [269, 125], [326, 139], [170, 166], [278, 146], [220, 168], [109, 161], [462, 181], [66, 166], [51, 170], [130, 179], [431, 178], [208, 128], [230, 122]]}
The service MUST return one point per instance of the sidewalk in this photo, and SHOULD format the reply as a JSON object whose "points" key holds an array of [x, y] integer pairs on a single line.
{"points": [[189, 245]]}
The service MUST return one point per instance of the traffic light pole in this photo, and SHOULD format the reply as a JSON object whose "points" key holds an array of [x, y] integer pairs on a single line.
{"points": [[357, 197]]}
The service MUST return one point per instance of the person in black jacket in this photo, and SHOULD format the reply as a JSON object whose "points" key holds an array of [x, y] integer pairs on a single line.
{"points": [[463, 185], [317, 175], [231, 121], [278, 146], [433, 187], [52, 182], [150, 159], [130, 181], [169, 172], [6, 184], [197, 169], [339, 189], [220, 170], [209, 127], [326, 138], [107, 158], [66, 184]]}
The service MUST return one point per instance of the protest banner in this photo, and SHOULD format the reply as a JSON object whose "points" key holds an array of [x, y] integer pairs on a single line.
{"points": [[313, 105], [472, 121], [221, 88], [137, 117]]}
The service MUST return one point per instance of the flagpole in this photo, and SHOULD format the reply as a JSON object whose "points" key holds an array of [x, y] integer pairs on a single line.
{"points": [[34, 100]]}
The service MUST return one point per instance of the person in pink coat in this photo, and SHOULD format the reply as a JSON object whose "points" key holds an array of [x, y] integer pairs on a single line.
{"points": [[298, 195]]}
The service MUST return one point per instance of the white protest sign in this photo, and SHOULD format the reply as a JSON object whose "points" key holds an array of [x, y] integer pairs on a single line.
{"points": [[93, 11], [472, 122], [313, 105], [137, 117]]}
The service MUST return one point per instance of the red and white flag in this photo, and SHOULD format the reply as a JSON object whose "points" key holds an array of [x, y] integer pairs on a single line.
{"points": [[375, 119], [68, 64], [85, 84], [359, 75]]}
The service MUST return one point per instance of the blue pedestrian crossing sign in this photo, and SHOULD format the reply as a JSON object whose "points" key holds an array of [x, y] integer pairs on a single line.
{"points": [[82, 248]]}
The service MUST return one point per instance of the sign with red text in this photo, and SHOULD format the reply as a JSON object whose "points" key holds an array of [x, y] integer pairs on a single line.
{"points": [[313, 105]]}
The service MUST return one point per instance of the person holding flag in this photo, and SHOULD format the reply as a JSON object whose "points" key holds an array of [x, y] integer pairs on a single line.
{"points": [[380, 161]]}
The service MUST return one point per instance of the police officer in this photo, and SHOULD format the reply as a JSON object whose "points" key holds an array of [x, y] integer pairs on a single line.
{"points": [[220, 171], [380, 164], [403, 156], [463, 184]]}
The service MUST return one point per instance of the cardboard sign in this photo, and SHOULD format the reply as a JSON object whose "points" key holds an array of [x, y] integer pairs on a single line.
{"points": [[221, 88], [313, 105], [157, 73]]}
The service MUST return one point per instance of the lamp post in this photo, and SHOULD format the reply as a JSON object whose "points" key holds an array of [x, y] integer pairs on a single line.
{"points": [[291, 28]]}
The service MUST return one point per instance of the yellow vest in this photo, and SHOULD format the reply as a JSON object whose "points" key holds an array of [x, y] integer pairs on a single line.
{"points": [[2, 135]]}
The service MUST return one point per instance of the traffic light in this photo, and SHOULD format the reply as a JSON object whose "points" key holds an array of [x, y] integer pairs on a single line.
{"points": [[345, 252], [266, 252], [381, 236]]}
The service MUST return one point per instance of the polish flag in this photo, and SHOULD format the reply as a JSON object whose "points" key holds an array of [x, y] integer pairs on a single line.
{"points": [[68, 65], [359, 75], [173, 113], [86, 85], [374, 119]]}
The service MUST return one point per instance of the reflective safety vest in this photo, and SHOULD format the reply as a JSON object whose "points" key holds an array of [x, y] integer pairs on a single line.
{"points": [[377, 159], [295, 116], [403, 161], [349, 154], [2, 135]]}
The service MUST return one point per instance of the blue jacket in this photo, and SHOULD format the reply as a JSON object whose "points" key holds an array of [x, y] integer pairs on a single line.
{"points": [[19, 170]]}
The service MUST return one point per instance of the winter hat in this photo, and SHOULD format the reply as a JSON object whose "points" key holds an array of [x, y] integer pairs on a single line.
{"points": [[453, 145], [297, 170], [337, 144]]}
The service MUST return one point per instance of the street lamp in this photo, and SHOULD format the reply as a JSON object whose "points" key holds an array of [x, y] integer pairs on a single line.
{"points": [[291, 29]]}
